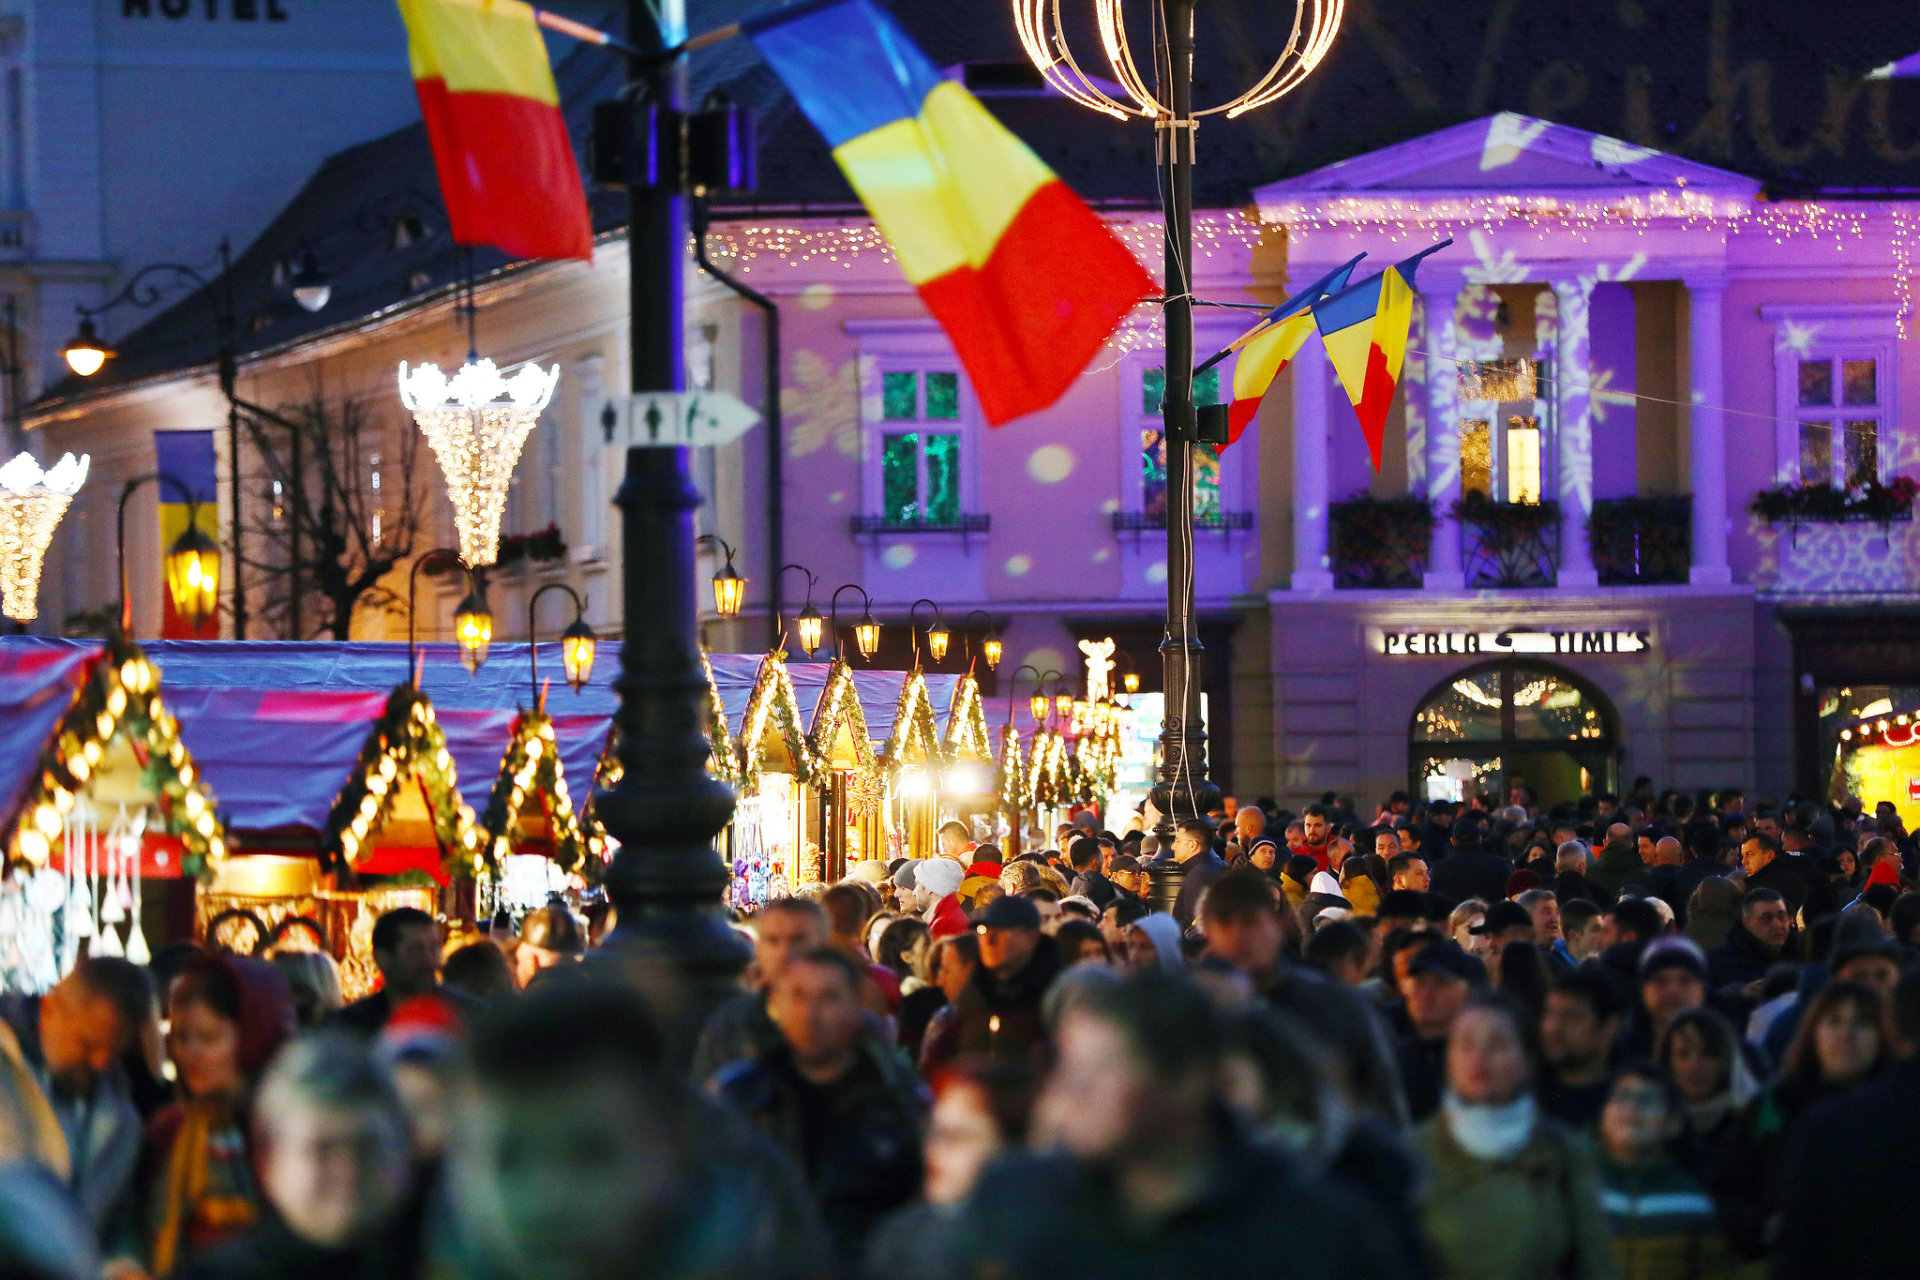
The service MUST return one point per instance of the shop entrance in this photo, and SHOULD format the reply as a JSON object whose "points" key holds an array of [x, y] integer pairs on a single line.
{"points": [[1494, 728]]}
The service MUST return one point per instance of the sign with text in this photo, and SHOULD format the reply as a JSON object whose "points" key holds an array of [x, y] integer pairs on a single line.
{"points": [[210, 10], [1440, 644], [662, 419]]}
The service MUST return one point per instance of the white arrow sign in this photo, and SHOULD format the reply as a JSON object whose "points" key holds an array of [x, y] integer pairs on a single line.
{"points": [[663, 419]]}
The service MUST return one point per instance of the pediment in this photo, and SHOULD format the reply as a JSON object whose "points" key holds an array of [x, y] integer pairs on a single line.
{"points": [[1509, 154]]}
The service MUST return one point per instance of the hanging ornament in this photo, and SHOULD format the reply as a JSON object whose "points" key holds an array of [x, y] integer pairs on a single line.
{"points": [[31, 505]]}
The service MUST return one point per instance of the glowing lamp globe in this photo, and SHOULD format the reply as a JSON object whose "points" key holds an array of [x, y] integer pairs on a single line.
{"points": [[192, 569], [729, 590], [85, 353], [866, 635], [1038, 705], [991, 651], [577, 644], [937, 640]]}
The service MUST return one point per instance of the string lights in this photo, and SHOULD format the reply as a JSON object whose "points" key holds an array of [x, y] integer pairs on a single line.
{"points": [[531, 767], [406, 745], [477, 421], [32, 503]]}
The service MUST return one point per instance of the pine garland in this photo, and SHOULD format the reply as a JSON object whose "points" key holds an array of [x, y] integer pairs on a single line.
{"points": [[405, 742], [914, 730], [773, 696], [967, 736], [532, 764], [119, 698]]}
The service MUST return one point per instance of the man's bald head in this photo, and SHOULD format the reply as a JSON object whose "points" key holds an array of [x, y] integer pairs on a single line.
{"points": [[1619, 833], [1249, 821], [1667, 852]]}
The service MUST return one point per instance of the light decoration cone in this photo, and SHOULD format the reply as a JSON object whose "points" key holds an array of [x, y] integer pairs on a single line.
{"points": [[406, 747], [477, 421], [32, 503], [531, 768]]}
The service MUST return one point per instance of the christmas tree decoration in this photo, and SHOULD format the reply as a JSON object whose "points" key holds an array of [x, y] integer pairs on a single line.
{"points": [[118, 719], [840, 734], [915, 735], [966, 737], [1048, 785], [531, 769], [405, 746], [1011, 779]]}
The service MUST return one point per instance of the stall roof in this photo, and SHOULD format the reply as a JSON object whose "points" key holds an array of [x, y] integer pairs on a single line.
{"points": [[37, 684], [879, 693]]}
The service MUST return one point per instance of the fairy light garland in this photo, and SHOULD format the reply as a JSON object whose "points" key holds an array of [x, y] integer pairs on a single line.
{"points": [[967, 735], [1011, 777], [773, 700], [532, 766], [120, 698], [914, 729], [721, 761], [839, 711], [405, 743], [32, 502]]}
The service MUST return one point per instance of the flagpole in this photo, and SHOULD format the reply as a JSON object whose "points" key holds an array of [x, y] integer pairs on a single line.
{"points": [[1183, 789], [666, 881]]}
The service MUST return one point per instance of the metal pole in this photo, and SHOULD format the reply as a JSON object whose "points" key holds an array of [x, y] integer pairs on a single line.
{"points": [[229, 378], [666, 881], [1182, 789]]}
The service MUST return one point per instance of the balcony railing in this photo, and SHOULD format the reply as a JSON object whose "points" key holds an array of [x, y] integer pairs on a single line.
{"points": [[1376, 545], [963, 524], [1216, 521], [1509, 544], [1642, 541]]}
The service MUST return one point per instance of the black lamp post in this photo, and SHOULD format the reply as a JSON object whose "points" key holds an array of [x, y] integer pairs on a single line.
{"points": [[866, 632], [990, 646], [577, 642], [191, 565], [808, 625], [472, 621]]}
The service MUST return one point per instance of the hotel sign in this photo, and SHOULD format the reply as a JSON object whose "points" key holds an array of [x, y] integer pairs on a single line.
{"points": [[1438, 644]]}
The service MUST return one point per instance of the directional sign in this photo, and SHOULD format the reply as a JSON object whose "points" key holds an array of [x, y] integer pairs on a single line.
{"points": [[662, 419]]}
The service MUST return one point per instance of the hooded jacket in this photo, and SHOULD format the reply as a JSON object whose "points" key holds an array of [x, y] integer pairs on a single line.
{"points": [[1712, 911], [1617, 867]]}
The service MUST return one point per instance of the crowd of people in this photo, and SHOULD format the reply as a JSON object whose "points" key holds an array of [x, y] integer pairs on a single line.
{"points": [[1664, 1036]]}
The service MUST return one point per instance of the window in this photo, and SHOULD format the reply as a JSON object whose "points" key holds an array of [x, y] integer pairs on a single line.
{"points": [[1838, 416], [1153, 447], [1523, 459], [920, 447]]}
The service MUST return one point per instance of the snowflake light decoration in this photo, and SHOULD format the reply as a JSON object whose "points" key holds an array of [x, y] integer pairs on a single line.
{"points": [[476, 421], [31, 505]]}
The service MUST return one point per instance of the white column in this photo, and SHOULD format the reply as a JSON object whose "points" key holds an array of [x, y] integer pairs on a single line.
{"points": [[1709, 437], [1443, 439], [1573, 376], [1310, 568]]}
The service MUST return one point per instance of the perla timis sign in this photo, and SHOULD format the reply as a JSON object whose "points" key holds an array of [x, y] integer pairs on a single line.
{"points": [[1437, 644]]}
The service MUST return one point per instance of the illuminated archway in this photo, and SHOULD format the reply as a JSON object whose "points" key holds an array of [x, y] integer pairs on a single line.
{"points": [[1504, 724]]}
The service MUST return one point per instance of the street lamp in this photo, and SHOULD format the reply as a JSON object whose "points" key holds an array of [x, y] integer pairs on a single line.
{"points": [[85, 353], [1013, 686], [809, 623], [729, 588], [937, 634], [472, 621], [191, 566], [577, 642], [866, 632], [1182, 788], [310, 285], [990, 647]]}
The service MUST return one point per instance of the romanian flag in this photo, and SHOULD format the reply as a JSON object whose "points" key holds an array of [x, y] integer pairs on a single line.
{"points": [[1026, 280], [186, 457], [1267, 348], [507, 170], [1365, 329]]}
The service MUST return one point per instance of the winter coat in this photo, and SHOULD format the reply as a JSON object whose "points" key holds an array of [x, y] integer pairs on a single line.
{"points": [[1197, 873], [1780, 876], [738, 1029], [1663, 1224], [1713, 908], [1000, 1017], [1096, 888], [1749, 1176], [105, 1126], [1617, 867], [1534, 1216], [863, 1160], [1352, 1028], [1739, 960], [1844, 1214], [1473, 873]]}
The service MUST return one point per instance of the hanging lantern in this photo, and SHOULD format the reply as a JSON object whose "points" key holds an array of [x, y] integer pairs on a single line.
{"points": [[991, 650], [866, 635], [810, 624], [192, 569], [476, 421], [31, 505], [1131, 682], [729, 590], [937, 638], [577, 644], [1063, 707], [85, 354], [1038, 705], [473, 630]]}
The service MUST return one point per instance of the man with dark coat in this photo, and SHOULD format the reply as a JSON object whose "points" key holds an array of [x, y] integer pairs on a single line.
{"points": [[1754, 944], [835, 1096], [1470, 870], [1201, 866], [998, 1012], [1619, 863], [1767, 869], [1088, 882]]}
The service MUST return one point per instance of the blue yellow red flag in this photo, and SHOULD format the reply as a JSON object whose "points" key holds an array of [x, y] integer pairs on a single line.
{"points": [[186, 457], [1365, 329], [1267, 348], [1027, 281]]}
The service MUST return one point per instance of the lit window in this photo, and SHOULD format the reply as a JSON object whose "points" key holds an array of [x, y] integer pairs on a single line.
{"points": [[1837, 416], [1153, 447], [920, 473], [1523, 459]]}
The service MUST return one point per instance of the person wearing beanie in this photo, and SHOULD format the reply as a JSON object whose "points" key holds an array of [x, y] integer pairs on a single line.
{"points": [[1672, 978], [936, 887], [997, 1014]]}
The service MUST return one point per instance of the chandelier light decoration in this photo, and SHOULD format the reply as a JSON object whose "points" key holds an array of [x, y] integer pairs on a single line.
{"points": [[31, 505], [1315, 23], [1505, 381], [476, 421]]}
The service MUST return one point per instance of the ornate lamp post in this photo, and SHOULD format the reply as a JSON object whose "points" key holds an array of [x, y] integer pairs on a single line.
{"points": [[577, 642], [1183, 788], [866, 632], [990, 648], [31, 505], [729, 588], [472, 621]]}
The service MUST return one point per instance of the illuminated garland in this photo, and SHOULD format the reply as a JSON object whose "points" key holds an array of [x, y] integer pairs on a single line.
{"points": [[839, 711], [721, 761], [773, 698], [406, 741], [120, 697], [967, 736], [1048, 783], [532, 763], [1011, 778], [913, 723]]}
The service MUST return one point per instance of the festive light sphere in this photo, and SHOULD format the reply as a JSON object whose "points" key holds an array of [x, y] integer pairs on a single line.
{"points": [[32, 503], [192, 570], [991, 651], [476, 421], [577, 644], [473, 630], [810, 626], [866, 635], [937, 639]]}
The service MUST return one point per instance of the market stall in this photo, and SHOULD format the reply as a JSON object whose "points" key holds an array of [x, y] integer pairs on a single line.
{"points": [[852, 783], [774, 843], [966, 782]]}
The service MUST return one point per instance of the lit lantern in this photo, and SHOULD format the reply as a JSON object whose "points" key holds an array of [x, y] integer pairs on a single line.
{"points": [[991, 650], [729, 588], [1131, 682], [192, 570], [577, 644], [937, 638], [1063, 707], [810, 624], [866, 635], [473, 629], [1038, 705], [85, 354]]}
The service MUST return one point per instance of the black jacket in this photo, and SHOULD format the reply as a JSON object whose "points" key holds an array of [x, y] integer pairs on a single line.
{"points": [[1780, 876], [1739, 960], [1351, 1027], [1050, 1217], [857, 1141], [272, 1252], [1096, 888], [1835, 1224], [1014, 1001], [1200, 871], [1474, 873]]}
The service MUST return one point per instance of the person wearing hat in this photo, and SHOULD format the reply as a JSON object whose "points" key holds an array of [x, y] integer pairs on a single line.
{"points": [[1672, 979], [1505, 922], [549, 936], [936, 893], [1439, 979], [1470, 869], [1129, 880], [997, 1014]]}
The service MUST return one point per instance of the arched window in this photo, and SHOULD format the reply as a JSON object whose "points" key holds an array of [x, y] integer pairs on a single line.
{"points": [[1509, 723]]}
